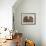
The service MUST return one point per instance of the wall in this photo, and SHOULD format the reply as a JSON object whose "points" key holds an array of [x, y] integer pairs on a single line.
{"points": [[6, 13], [43, 22], [6, 16], [29, 31]]}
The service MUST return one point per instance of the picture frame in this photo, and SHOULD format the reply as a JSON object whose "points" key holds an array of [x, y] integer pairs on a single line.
{"points": [[28, 18]]}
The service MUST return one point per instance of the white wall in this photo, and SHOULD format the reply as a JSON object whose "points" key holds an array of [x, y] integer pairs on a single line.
{"points": [[43, 22], [6, 13], [29, 31]]}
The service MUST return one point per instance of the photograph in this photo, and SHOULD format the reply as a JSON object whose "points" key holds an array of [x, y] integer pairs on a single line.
{"points": [[28, 18]]}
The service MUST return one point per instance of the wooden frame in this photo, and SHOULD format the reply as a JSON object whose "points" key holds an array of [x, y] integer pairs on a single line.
{"points": [[28, 18]]}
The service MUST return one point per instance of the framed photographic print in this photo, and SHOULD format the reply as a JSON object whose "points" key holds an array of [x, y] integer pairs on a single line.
{"points": [[28, 18]]}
